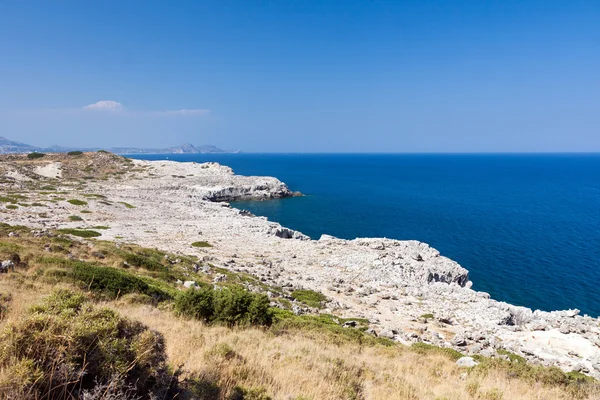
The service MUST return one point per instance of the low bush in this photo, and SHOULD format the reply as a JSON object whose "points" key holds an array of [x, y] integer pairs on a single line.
{"points": [[65, 348], [76, 202], [84, 233], [201, 244], [75, 218], [114, 282], [107, 281], [230, 305], [309, 297], [577, 384], [35, 155], [425, 348], [322, 326], [141, 261], [75, 153]]}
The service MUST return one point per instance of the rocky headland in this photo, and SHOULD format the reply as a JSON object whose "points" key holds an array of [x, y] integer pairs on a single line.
{"points": [[407, 290]]}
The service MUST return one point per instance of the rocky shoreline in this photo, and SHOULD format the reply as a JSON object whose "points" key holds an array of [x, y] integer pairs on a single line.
{"points": [[406, 289]]}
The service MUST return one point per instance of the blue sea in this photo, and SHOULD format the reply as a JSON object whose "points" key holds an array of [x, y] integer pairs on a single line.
{"points": [[527, 227]]}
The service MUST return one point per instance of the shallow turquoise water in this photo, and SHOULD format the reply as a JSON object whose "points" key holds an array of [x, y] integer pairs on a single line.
{"points": [[527, 227]]}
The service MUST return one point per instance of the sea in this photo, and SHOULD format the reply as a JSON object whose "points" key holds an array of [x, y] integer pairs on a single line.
{"points": [[526, 226]]}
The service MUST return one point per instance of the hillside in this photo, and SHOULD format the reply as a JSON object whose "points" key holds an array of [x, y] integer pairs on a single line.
{"points": [[142, 269]]}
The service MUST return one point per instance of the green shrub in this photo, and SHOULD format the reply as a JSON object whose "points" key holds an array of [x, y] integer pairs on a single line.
{"points": [[425, 348], [12, 207], [75, 218], [309, 297], [65, 348], [114, 282], [127, 205], [196, 304], [511, 356], [76, 202], [426, 316], [323, 326], [148, 263], [75, 153], [230, 305], [201, 244], [80, 232], [35, 155], [103, 152]]}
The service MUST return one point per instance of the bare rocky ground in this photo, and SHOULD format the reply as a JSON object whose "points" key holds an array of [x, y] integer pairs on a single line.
{"points": [[406, 289]]}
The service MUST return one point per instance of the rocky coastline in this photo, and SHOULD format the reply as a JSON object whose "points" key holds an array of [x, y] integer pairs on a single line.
{"points": [[407, 290]]}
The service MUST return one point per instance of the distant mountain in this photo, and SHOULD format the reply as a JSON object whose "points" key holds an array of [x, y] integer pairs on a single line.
{"points": [[8, 146]]}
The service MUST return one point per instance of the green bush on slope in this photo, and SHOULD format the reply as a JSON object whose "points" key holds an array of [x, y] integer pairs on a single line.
{"points": [[230, 305], [65, 348]]}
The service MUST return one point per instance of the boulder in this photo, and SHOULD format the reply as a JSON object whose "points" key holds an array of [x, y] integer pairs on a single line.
{"points": [[189, 284], [6, 265], [467, 362]]}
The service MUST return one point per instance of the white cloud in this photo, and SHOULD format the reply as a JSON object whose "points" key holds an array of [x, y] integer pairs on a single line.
{"points": [[105, 105], [193, 111], [115, 106]]}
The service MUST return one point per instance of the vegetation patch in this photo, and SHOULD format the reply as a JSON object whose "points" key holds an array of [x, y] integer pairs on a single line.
{"points": [[65, 348], [309, 297], [75, 153], [85, 212], [75, 218], [101, 227], [127, 205], [12, 206], [577, 384], [138, 260], [324, 326], [425, 348], [76, 202], [35, 155], [231, 306], [107, 281], [84, 233], [201, 244]]}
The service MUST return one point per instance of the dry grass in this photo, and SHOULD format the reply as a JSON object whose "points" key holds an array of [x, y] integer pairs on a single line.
{"points": [[294, 365]]}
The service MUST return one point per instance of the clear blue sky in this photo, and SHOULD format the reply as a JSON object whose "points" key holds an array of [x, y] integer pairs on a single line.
{"points": [[303, 76]]}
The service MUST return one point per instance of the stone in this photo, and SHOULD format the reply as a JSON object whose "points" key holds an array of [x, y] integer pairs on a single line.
{"points": [[459, 340], [387, 333], [189, 284], [6, 265], [467, 362]]}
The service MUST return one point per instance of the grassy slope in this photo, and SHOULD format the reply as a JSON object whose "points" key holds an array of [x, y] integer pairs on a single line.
{"points": [[308, 357]]}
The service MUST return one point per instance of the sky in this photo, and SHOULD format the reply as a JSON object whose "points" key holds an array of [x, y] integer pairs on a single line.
{"points": [[303, 76]]}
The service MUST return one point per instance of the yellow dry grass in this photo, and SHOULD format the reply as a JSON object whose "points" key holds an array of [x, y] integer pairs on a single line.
{"points": [[296, 367]]}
